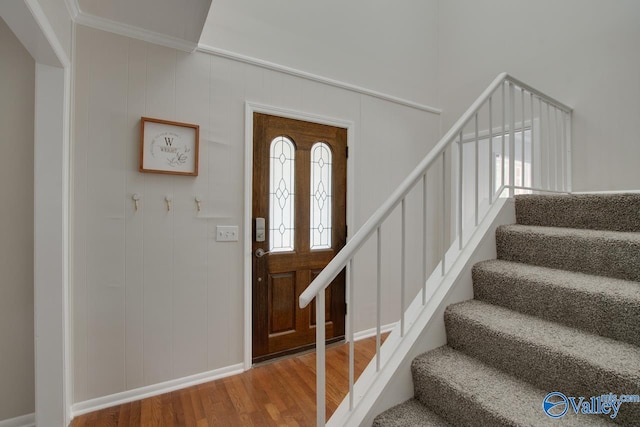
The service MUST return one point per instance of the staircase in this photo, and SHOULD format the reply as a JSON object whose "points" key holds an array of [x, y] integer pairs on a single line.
{"points": [[558, 311]]}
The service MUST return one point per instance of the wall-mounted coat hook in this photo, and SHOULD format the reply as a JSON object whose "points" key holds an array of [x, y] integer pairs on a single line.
{"points": [[198, 201], [168, 200], [136, 199]]}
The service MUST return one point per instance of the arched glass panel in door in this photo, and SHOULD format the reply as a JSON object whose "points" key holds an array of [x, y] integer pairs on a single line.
{"points": [[321, 195], [281, 194]]}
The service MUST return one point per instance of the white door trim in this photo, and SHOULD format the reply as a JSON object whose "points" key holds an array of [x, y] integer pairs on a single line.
{"points": [[250, 108], [52, 133]]}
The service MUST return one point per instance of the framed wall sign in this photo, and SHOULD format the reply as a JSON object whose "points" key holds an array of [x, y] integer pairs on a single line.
{"points": [[168, 147]]}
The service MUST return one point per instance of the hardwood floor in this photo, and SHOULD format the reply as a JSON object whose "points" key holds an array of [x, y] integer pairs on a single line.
{"points": [[279, 393]]}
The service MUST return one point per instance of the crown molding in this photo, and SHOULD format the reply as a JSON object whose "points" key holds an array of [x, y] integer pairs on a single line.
{"points": [[88, 20]]}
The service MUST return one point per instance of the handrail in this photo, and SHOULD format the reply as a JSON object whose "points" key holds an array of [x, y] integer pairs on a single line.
{"points": [[339, 262], [552, 175]]}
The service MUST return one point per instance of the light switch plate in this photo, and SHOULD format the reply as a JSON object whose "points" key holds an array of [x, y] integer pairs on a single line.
{"points": [[227, 233]]}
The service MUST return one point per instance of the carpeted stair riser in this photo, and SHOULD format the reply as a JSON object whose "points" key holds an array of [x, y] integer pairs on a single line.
{"points": [[605, 253], [558, 311], [615, 212], [410, 413], [467, 392], [573, 299], [445, 396], [552, 357]]}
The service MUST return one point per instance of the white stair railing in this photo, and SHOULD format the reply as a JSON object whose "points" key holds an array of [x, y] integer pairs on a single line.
{"points": [[530, 129]]}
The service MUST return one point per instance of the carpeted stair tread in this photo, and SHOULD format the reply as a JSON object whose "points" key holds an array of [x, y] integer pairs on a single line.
{"points": [[546, 354], [606, 253], [467, 392], [411, 413], [574, 299], [591, 349], [558, 311], [616, 212]]}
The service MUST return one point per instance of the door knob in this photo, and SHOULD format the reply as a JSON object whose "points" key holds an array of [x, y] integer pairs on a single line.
{"points": [[261, 252]]}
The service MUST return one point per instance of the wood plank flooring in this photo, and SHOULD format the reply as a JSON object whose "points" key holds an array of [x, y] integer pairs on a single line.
{"points": [[278, 393]]}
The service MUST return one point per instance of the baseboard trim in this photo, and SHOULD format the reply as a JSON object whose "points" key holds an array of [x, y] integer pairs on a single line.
{"points": [[368, 333], [28, 420], [103, 402]]}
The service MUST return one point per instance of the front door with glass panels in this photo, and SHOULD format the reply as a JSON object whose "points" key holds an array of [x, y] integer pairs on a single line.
{"points": [[299, 221]]}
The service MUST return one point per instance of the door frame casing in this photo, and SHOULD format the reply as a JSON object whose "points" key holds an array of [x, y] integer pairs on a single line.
{"points": [[250, 108], [53, 82]]}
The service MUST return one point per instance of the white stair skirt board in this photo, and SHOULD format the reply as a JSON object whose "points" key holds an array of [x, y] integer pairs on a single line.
{"points": [[28, 420], [98, 403], [424, 325]]}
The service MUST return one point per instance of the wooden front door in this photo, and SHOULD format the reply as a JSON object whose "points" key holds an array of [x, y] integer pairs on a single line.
{"points": [[299, 212]]}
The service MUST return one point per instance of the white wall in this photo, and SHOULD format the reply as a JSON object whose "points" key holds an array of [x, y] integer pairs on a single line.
{"points": [[17, 83], [582, 52], [155, 296], [389, 47]]}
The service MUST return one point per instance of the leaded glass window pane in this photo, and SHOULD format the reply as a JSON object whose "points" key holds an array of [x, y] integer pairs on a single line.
{"points": [[321, 195], [281, 194]]}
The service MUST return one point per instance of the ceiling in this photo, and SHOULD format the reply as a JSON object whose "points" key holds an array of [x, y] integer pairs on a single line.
{"points": [[173, 23]]}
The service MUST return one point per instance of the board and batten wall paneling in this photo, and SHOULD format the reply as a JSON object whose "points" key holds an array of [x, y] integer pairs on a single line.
{"points": [[190, 238], [134, 223], [106, 215], [155, 296], [158, 229], [17, 86]]}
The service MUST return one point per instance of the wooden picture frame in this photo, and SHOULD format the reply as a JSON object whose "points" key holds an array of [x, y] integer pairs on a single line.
{"points": [[168, 147]]}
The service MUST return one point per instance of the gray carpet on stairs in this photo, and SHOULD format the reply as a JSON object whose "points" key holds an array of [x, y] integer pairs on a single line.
{"points": [[558, 311], [606, 253], [467, 392], [574, 299], [615, 212], [546, 354], [409, 413]]}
